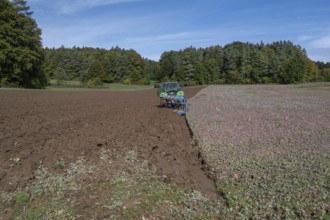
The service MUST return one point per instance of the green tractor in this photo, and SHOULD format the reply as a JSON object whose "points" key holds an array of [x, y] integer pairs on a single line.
{"points": [[171, 95]]}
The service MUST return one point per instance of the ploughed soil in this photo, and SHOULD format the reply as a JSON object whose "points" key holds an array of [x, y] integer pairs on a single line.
{"points": [[41, 127]]}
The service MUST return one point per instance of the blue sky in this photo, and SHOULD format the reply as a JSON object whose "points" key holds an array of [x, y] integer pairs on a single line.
{"points": [[153, 26]]}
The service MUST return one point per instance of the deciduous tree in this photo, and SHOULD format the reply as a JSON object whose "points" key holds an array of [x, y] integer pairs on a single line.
{"points": [[21, 52]]}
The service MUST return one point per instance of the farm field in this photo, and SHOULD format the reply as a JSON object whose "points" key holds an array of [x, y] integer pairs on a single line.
{"points": [[117, 155], [98, 155], [267, 147]]}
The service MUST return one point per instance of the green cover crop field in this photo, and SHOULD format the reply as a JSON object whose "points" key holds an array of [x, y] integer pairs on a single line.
{"points": [[267, 147]]}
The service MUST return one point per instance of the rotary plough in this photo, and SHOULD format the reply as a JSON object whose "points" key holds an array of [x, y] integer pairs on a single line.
{"points": [[172, 96]]}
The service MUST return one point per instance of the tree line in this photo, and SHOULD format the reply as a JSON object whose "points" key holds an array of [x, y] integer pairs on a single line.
{"points": [[98, 65], [324, 70], [278, 62], [23, 61]]}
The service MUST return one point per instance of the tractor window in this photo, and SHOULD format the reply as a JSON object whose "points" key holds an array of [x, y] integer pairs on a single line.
{"points": [[172, 87]]}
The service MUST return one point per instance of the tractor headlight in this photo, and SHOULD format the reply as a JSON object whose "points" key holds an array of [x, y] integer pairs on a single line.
{"points": [[163, 94]]}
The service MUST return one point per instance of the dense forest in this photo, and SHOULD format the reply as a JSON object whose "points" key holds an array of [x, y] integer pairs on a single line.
{"points": [[23, 61], [98, 65], [279, 62], [324, 70]]}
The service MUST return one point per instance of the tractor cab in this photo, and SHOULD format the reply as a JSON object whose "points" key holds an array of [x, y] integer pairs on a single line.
{"points": [[170, 89]]}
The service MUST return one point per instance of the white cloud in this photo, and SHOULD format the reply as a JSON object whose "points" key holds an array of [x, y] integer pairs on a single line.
{"points": [[69, 7], [304, 38], [74, 6], [172, 36], [319, 54], [321, 42], [317, 46], [90, 32]]}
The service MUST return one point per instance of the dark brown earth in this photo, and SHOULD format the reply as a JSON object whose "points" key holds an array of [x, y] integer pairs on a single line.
{"points": [[40, 127]]}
